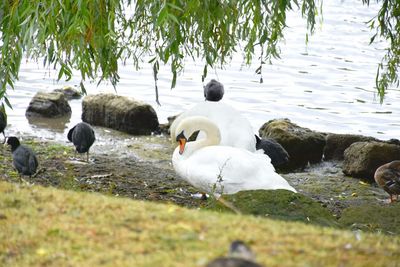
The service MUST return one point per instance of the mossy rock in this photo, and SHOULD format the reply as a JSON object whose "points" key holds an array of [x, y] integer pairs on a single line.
{"points": [[361, 159], [277, 204], [120, 113], [336, 144], [48, 105], [373, 218], [302, 144]]}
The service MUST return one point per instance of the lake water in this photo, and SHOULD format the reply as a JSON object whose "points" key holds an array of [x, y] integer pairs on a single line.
{"points": [[327, 85]]}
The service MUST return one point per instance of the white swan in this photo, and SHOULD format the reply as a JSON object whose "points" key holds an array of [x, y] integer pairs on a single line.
{"points": [[236, 131], [220, 169]]}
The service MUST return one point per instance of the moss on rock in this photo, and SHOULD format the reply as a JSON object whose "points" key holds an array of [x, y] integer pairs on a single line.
{"points": [[302, 144], [120, 113], [373, 218], [277, 204], [361, 159]]}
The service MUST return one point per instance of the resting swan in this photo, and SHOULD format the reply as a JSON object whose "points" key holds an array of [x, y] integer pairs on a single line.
{"points": [[235, 130], [220, 169]]}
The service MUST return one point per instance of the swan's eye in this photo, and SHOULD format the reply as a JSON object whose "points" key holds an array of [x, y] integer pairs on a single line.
{"points": [[180, 136]]}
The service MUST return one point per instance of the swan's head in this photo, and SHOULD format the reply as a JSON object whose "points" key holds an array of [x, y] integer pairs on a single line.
{"points": [[182, 140], [192, 124]]}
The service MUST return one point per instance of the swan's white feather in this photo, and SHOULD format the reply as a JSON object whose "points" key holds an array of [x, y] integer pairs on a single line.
{"points": [[203, 164], [239, 169]]}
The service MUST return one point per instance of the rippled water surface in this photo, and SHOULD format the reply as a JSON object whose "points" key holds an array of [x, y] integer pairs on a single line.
{"points": [[327, 85]]}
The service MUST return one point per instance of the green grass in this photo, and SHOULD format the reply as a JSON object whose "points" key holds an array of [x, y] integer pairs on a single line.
{"points": [[51, 227]]}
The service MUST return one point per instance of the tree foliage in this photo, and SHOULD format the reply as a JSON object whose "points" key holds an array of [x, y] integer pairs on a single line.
{"points": [[387, 25], [93, 36]]}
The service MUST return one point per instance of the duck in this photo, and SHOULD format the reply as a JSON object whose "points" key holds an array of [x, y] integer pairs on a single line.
{"points": [[240, 255], [213, 91], [218, 169], [3, 121], [24, 159], [387, 176], [235, 130], [279, 156], [82, 136]]}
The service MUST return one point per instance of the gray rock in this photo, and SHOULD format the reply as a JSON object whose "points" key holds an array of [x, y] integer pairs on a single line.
{"points": [[336, 144], [49, 105], [361, 159], [120, 113], [164, 128], [69, 92], [302, 144]]}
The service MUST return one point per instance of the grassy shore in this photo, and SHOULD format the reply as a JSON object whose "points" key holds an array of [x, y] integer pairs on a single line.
{"points": [[51, 227]]}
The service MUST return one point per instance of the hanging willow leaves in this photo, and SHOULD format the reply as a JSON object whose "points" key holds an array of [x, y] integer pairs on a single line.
{"points": [[387, 25], [93, 36]]}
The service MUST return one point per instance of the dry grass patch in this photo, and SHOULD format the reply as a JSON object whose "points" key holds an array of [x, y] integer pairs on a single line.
{"points": [[51, 227]]}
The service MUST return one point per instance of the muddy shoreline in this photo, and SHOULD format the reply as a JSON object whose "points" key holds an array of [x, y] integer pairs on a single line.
{"points": [[140, 168]]}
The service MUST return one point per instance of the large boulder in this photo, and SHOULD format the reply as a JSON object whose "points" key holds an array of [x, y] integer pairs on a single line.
{"points": [[276, 204], [120, 113], [302, 144], [49, 105], [361, 159], [336, 144]]}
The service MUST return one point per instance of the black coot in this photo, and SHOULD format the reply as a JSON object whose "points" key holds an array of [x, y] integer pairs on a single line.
{"points": [[82, 136], [240, 255], [274, 150], [24, 159], [213, 91]]}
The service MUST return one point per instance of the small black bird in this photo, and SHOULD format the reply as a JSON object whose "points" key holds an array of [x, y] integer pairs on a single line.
{"points": [[239, 255], [82, 136], [213, 91], [3, 121], [274, 150], [24, 159]]}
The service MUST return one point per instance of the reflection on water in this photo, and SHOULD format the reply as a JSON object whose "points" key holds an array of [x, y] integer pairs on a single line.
{"points": [[58, 125], [327, 85]]}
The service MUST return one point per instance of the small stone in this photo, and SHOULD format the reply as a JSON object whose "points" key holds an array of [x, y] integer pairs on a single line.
{"points": [[69, 92]]}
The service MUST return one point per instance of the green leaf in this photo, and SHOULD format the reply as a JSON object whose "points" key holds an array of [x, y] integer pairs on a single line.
{"points": [[162, 15], [173, 83]]}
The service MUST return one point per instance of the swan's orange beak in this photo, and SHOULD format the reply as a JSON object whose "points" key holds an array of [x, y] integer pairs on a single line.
{"points": [[182, 143]]}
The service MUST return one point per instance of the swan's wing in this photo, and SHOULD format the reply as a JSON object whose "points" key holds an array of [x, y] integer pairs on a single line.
{"points": [[236, 169]]}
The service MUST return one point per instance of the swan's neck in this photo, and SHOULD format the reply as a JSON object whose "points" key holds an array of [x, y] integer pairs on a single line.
{"points": [[213, 137]]}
